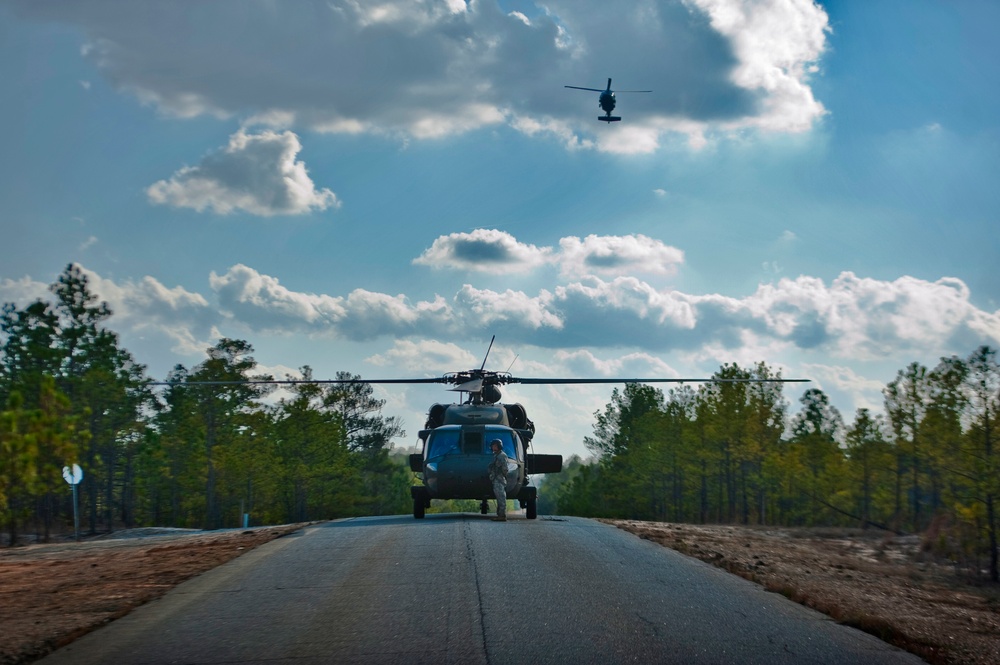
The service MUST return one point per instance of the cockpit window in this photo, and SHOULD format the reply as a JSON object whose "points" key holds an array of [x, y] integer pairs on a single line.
{"points": [[443, 442], [506, 438], [447, 441]]}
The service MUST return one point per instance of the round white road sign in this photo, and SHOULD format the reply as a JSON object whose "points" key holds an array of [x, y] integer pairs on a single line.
{"points": [[73, 475]]}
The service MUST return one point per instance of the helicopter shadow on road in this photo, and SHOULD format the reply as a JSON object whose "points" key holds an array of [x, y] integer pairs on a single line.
{"points": [[407, 520]]}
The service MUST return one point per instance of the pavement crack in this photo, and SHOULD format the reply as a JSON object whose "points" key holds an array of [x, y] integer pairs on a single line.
{"points": [[470, 556], [650, 624]]}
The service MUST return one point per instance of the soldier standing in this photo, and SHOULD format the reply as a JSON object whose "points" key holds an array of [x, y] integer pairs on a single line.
{"points": [[498, 476]]}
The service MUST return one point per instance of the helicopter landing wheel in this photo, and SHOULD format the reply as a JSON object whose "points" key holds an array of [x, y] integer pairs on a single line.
{"points": [[484, 507], [531, 509], [419, 503]]}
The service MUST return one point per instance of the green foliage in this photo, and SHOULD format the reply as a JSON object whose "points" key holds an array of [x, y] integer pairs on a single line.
{"points": [[35, 445], [18, 462], [454, 506], [552, 487], [727, 453], [616, 428], [197, 455], [29, 350], [813, 459], [869, 469]]}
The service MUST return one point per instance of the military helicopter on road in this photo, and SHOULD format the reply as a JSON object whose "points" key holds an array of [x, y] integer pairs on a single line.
{"points": [[606, 101], [456, 437]]}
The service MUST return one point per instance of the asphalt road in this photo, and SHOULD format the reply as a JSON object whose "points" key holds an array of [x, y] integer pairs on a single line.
{"points": [[464, 589]]}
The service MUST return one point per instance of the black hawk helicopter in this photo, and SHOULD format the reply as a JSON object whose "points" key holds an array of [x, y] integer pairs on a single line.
{"points": [[455, 440], [606, 101]]}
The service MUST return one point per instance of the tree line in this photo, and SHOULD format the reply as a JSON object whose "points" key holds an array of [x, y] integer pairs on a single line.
{"points": [[727, 452], [191, 454]]}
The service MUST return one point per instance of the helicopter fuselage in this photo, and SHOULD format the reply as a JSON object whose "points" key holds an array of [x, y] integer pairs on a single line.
{"points": [[456, 455], [457, 458], [607, 101]]}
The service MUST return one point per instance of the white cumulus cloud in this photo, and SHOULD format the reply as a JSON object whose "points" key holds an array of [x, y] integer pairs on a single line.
{"points": [[146, 305], [617, 255], [421, 355], [777, 44], [261, 301], [21, 292], [865, 318], [433, 69], [631, 365], [486, 250], [483, 250], [850, 320], [256, 173]]}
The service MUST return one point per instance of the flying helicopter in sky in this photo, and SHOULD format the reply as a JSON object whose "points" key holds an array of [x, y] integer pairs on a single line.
{"points": [[455, 440], [606, 101]]}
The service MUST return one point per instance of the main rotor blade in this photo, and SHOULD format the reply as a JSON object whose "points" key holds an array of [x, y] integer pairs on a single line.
{"points": [[473, 385], [570, 381], [292, 382], [617, 91], [576, 87]]}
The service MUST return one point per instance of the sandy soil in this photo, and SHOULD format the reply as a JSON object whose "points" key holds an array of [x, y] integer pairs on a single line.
{"points": [[50, 594]]}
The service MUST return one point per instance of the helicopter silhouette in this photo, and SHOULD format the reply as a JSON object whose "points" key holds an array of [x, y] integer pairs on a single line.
{"points": [[606, 101], [455, 440]]}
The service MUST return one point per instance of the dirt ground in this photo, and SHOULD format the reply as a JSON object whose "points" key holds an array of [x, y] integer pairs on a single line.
{"points": [[51, 594]]}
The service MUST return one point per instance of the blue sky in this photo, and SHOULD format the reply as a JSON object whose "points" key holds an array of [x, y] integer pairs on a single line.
{"points": [[381, 187]]}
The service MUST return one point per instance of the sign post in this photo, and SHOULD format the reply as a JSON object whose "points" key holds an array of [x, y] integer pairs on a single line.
{"points": [[73, 476]]}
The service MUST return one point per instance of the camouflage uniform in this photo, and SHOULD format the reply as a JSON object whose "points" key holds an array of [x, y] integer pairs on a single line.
{"points": [[498, 476]]}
